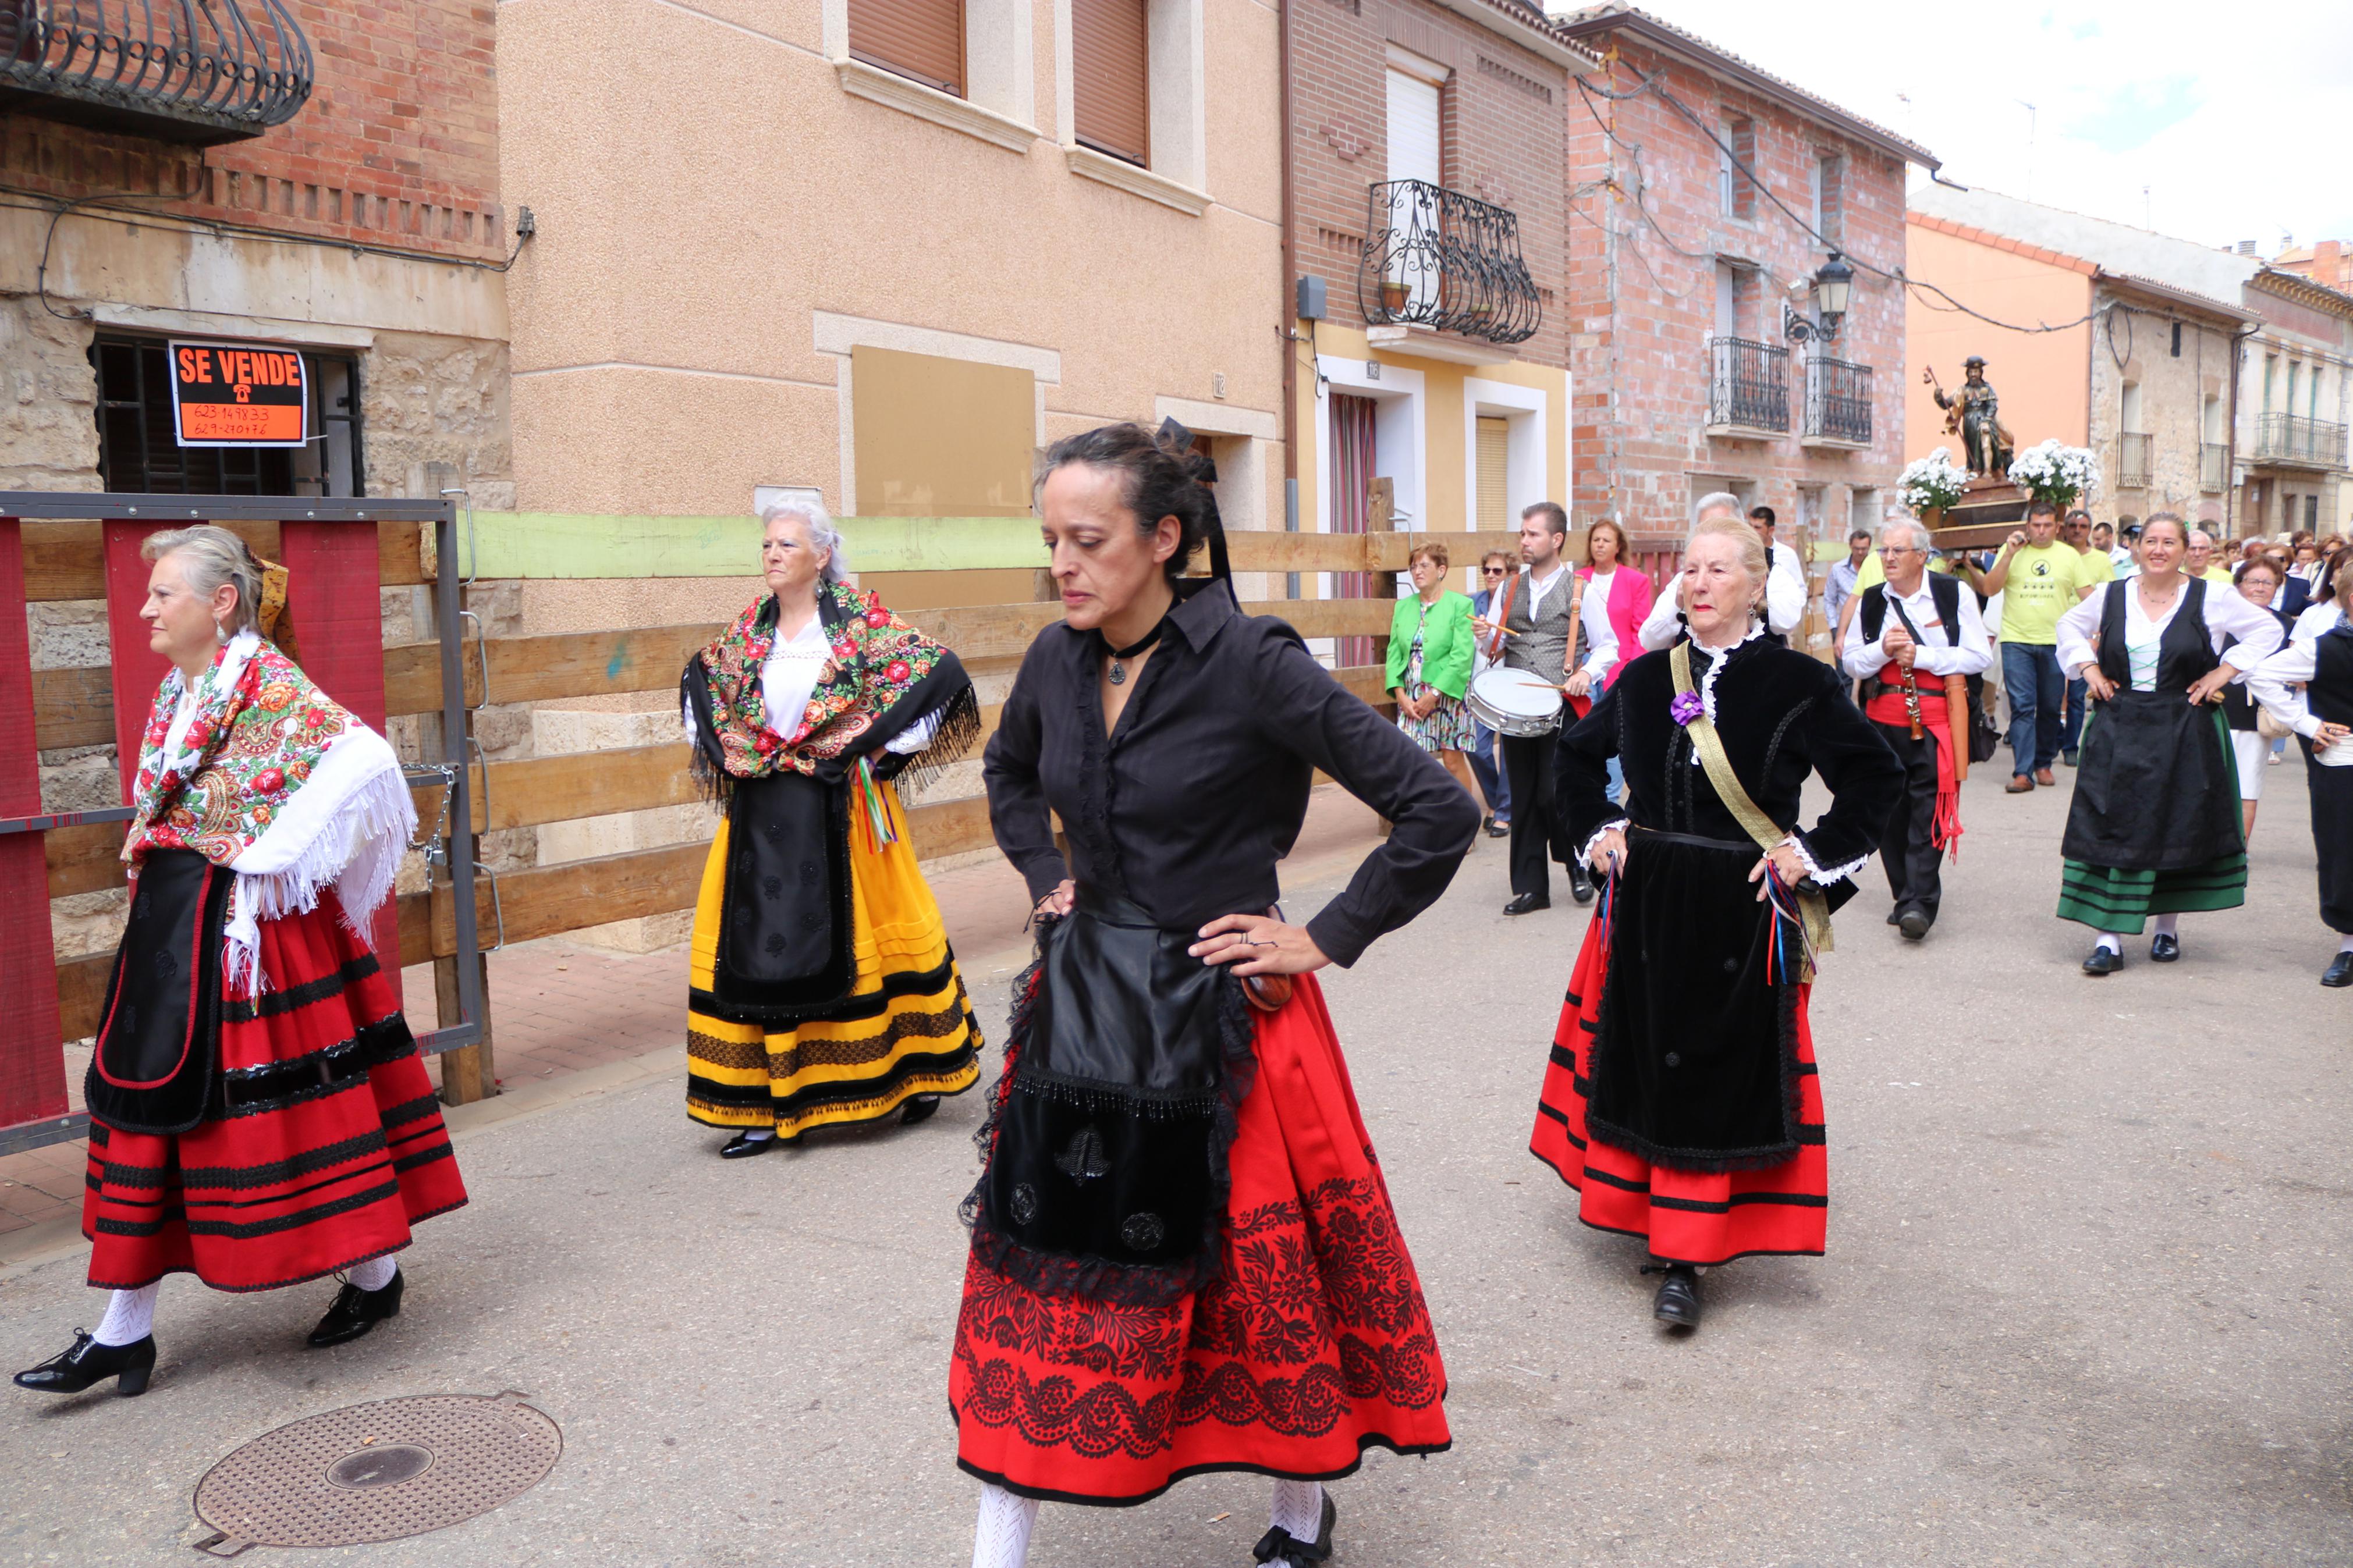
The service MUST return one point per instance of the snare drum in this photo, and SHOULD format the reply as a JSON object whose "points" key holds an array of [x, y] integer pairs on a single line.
{"points": [[1516, 702]]}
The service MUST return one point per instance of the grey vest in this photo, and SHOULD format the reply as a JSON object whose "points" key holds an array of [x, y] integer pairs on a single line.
{"points": [[1542, 644]]}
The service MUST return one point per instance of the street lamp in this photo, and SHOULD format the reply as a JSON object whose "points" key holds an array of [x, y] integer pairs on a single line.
{"points": [[1833, 288]]}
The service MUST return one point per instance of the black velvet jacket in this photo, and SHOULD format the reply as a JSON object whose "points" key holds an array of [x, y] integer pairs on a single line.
{"points": [[1781, 715], [1187, 806]]}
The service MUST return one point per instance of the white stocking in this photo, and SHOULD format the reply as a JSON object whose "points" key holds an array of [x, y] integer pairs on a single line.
{"points": [[375, 1274], [1299, 1508], [130, 1316], [1002, 1538], [2167, 925]]}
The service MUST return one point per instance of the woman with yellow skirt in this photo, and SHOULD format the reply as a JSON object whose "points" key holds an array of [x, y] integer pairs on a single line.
{"points": [[823, 992]]}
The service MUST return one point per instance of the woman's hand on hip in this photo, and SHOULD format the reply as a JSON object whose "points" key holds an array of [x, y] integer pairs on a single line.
{"points": [[1784, 860], [1258, 945], [1608, 856], [1059, 901], [2208, 688], [2096, 684]]}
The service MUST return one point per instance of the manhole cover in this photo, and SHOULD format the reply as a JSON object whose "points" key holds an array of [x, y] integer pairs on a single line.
{"points": [[376, 1472]]}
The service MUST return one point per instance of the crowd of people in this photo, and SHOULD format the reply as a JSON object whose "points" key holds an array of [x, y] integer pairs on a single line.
{"points": [[1183, 1255]]}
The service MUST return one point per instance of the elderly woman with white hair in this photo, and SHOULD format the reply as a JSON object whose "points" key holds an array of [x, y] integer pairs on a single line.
{"points": [[1682, 1100], [258, 1113], [823, 992]]}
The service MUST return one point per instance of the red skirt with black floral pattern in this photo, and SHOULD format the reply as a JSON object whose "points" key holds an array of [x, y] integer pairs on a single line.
{"points": [[1312, 1346]]}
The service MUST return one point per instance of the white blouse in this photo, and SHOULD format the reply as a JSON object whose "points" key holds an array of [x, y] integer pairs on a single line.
{"points": [[1593, 613], [2227, 617], [789, 678], [2278, 682]]}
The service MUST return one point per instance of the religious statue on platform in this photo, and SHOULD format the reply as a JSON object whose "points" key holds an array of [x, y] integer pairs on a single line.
{"points": [[1974, 415]]}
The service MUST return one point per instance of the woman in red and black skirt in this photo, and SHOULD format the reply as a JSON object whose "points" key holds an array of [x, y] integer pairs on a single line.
{"points": [[1184, 1257], [1682, 1100], [259, 1116]]}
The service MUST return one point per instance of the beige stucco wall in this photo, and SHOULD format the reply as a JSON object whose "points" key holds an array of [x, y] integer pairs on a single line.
{"points": [[666, 318]]}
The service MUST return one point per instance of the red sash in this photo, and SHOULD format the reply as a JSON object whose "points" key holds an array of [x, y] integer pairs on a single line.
{"points": [[1888, 707]]}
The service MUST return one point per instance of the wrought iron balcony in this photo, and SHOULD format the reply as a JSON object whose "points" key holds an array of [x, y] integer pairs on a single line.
{"points": [[2213, 467], [2135, 458], [1435, 258], [1838, 403], [191, 71], [1748, 389], [2303, 443]]}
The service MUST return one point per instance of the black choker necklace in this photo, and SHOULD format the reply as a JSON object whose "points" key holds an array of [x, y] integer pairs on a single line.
{"points": [[1119, 656]]}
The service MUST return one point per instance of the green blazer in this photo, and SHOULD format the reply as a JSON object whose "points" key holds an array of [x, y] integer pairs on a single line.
{"points": [[1446, 643]]}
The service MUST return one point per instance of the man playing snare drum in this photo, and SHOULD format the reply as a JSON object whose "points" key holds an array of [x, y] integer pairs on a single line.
{"points": [[1538, 628]]}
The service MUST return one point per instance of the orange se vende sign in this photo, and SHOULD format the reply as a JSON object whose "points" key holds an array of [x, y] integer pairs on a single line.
{"points": [[238, 395]]}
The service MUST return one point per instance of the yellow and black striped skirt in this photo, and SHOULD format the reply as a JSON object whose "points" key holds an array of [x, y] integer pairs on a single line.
{"points": [[906, 1027]]}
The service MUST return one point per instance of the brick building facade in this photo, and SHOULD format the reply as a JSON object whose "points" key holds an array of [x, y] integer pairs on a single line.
{"points": [[1684, 274], [1427, 195]]}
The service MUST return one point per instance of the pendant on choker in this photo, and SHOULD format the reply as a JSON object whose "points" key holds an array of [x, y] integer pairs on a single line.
{"points": [[1120, 655]]}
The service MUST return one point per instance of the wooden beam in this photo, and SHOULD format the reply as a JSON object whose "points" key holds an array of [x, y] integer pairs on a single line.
{"points": [[62, 559]]}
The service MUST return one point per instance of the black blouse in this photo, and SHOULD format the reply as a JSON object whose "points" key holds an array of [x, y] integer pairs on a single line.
{"points": [[1781, 715], [1187, 805]]}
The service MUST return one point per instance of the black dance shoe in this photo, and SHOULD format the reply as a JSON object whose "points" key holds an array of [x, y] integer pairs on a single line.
{"points": [[88, 1362], [1896, 915], [1527, 903], [356, 1311], [2339, 972], [1279, 1545], [1914, 923], [1677, 1304], [742, 1146], [919, 1108], [2164, 948], [2104, 961], [1580, 885], [1498, 829]]}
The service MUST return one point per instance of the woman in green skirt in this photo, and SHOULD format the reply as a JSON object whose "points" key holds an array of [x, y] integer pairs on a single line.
{"points": [[2155, 828]]}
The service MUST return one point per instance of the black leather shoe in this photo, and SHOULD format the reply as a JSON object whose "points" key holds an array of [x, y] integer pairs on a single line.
{"points": [[1915, 922], [1498, 829], [1580, 885], [919, 1108], [2340, 971], [1527, 903], [1677, 1304], [742, 1146], [88, 1362], [356, 1311], [1896, 915], [2104, 961], [2164, 948], [1281, 1546]]}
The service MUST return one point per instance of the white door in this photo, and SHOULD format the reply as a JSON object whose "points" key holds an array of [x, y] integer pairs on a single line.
{"points": [[1413, 214]]}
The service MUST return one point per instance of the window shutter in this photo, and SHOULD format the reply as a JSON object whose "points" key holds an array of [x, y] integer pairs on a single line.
{"points": [[919, 39], [1495, 467], [1111, 101]]}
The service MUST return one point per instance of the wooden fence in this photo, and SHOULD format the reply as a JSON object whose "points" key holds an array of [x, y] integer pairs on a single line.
{"points": [[77, 707]]}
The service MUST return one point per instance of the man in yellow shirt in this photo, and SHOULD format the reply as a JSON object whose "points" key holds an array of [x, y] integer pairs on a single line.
{"points": [[2201, 562], [2038, 579], [2097, 572]]}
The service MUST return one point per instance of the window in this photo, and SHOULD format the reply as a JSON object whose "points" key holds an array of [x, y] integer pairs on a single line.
{"points": [[2212, 423], [1830, 198], [1111, 74], [1495, 474], [1738, 152], [920, 39], [2294, 383], [137, 452], [2129, 412]]}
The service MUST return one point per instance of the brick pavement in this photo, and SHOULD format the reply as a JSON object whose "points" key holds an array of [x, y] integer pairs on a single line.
{"points": [[560, 1006]]}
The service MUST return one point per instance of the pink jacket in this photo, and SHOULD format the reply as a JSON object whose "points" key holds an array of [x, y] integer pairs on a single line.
{"points": [[1630, 600]]}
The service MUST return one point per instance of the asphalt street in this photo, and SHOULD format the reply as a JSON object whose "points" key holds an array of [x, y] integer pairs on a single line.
{"points": [[2086, 1300]]}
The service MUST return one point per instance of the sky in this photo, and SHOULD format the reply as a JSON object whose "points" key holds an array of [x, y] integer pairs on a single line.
{"points": [[2213, 125]]}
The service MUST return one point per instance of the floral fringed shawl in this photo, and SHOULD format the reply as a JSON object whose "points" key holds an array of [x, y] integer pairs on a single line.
{"points": [[882, 678], [272, 778]]}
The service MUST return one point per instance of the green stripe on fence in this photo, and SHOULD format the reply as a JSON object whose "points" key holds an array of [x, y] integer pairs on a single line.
{"points": [[559, 544]]}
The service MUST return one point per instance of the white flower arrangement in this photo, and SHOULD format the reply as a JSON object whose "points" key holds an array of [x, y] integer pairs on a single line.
{"points": [[2053, 473], [1931, 483]]}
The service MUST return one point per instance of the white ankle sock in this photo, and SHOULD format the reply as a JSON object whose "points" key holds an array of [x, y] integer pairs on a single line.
{"points": [[759, 1134], [1299, 1508], [2167, 925], [374, 1275], [130, 1316], [2112, 940], [1002, 1538], [2346, 946]]}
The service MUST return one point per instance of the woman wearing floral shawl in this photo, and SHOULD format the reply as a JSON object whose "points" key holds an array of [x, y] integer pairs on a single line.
{"points": [[823, 992], [258, 1115]]}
